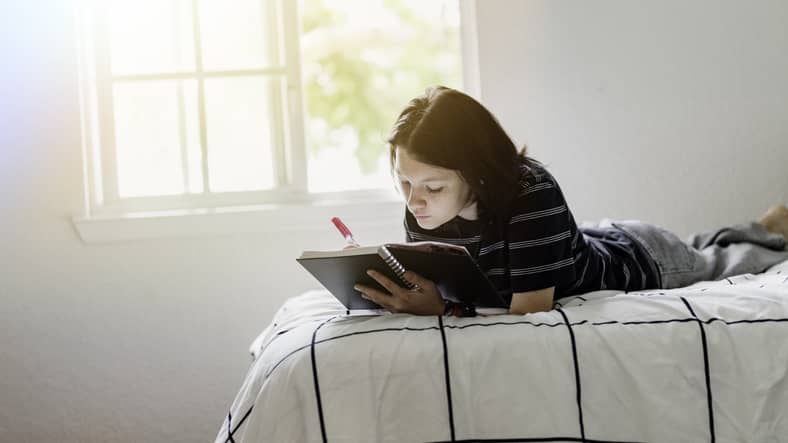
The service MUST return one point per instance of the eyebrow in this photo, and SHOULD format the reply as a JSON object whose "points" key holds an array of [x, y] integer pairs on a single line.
{"points": [[428, 179]]}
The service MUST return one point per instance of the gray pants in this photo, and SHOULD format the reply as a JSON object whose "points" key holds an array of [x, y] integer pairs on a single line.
{"points": [[733, 250]]}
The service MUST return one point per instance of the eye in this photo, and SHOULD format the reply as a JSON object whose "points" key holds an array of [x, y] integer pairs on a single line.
{"points": [[434, 191]]}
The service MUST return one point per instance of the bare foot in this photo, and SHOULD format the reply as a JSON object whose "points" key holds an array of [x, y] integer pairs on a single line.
{"points": [[776, 220]]}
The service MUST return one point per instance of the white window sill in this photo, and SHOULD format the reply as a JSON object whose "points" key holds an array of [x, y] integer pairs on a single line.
{"points": [[269, 218]]}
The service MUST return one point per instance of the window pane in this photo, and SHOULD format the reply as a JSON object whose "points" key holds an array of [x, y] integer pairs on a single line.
{"points": [[239, 127], [157, 138], [238, 34], [362, 61], [151, 36]]}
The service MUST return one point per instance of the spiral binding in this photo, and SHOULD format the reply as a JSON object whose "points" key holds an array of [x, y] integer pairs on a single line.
{"points": [[396, 266]]}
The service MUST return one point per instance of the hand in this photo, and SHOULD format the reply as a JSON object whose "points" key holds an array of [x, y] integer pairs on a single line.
{"points": [[426, 300]]}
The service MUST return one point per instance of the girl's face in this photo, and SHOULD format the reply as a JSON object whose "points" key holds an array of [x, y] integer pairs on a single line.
{"points": [[434, 195]]}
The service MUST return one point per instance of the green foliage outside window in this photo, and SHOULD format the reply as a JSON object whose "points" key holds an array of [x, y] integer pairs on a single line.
{"points": [[359, 74]]}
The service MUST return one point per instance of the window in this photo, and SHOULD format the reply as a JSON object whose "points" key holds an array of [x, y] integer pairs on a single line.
{"points": [[209, 103]]}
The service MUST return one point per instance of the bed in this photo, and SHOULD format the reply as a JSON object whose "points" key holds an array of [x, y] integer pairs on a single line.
{"points": [[708, 362]]}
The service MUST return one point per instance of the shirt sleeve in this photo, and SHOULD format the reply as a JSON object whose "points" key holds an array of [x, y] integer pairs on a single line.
{"points": [[540, 238]]}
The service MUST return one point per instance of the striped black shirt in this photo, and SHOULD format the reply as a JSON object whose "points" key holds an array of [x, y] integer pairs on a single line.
{"points": [[538, 245]]}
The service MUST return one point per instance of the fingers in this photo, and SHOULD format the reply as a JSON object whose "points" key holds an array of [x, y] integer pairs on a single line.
{"points": [[417, 279], [399, 299], [390, 301], [387, 301], [384, 281]]}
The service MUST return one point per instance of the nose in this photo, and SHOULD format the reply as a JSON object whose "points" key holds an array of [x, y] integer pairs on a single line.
{"points": [[416, 200]]}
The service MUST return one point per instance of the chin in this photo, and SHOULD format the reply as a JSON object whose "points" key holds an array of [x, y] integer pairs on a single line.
{"points": [[427, 224], [423, 225]]}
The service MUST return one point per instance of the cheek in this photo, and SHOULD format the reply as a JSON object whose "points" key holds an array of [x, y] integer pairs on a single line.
{"points": [[447, 203], [462, 199]]}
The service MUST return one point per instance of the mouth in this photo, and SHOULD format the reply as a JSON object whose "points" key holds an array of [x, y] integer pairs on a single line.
{"points": [[421, 217]]}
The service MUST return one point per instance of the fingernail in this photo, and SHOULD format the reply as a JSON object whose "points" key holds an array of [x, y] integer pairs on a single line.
{"points": [[370, 273], [355, 287]]}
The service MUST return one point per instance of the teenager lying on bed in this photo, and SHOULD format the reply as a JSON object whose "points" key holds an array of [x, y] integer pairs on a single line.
{"points": [[466, 183]]}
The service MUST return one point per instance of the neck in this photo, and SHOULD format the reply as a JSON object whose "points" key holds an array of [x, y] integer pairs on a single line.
{"points": [[469, 212]]}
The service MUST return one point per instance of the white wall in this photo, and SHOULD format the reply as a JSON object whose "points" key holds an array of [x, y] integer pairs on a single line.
{"points": [[146, 341], [672, 112], [140, 341]]}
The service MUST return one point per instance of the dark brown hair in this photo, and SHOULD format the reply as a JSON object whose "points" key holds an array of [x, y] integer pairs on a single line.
{"points": [[446, 128]]}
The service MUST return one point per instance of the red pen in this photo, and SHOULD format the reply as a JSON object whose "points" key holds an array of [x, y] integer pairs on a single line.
{"points": [[344, 231]]}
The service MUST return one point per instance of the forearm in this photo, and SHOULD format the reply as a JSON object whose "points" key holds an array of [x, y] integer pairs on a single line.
{"points": [[540, 300], [521, 311]]}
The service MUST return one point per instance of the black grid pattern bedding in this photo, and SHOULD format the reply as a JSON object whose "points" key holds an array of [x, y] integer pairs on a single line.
{"points": [[703, 363]]}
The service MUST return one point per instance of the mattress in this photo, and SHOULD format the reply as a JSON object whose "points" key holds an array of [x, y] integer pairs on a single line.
{"points": [[706, 362]]}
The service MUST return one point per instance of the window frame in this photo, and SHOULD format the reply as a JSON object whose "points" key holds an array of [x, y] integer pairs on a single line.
{"points": [[102, 205], [97, 82]]}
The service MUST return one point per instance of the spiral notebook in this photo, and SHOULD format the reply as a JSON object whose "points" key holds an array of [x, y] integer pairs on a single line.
{"points": [[452, 268]]}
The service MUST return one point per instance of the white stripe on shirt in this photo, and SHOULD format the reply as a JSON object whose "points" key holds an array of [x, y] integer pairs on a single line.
{"points": [[538, 214], [540, 241], [544, 268], [491, 248], [533, 270], [461, 241], [534, 188]]}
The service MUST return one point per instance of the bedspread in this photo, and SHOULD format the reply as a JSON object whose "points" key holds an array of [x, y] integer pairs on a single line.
{"points": [[703, 363]]}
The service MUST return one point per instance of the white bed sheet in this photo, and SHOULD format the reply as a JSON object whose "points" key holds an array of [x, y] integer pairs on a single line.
{"points": [[702, 363]]}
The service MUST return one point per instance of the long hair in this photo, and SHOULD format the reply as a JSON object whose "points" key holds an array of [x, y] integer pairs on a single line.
{"points": [[446, 128]]}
